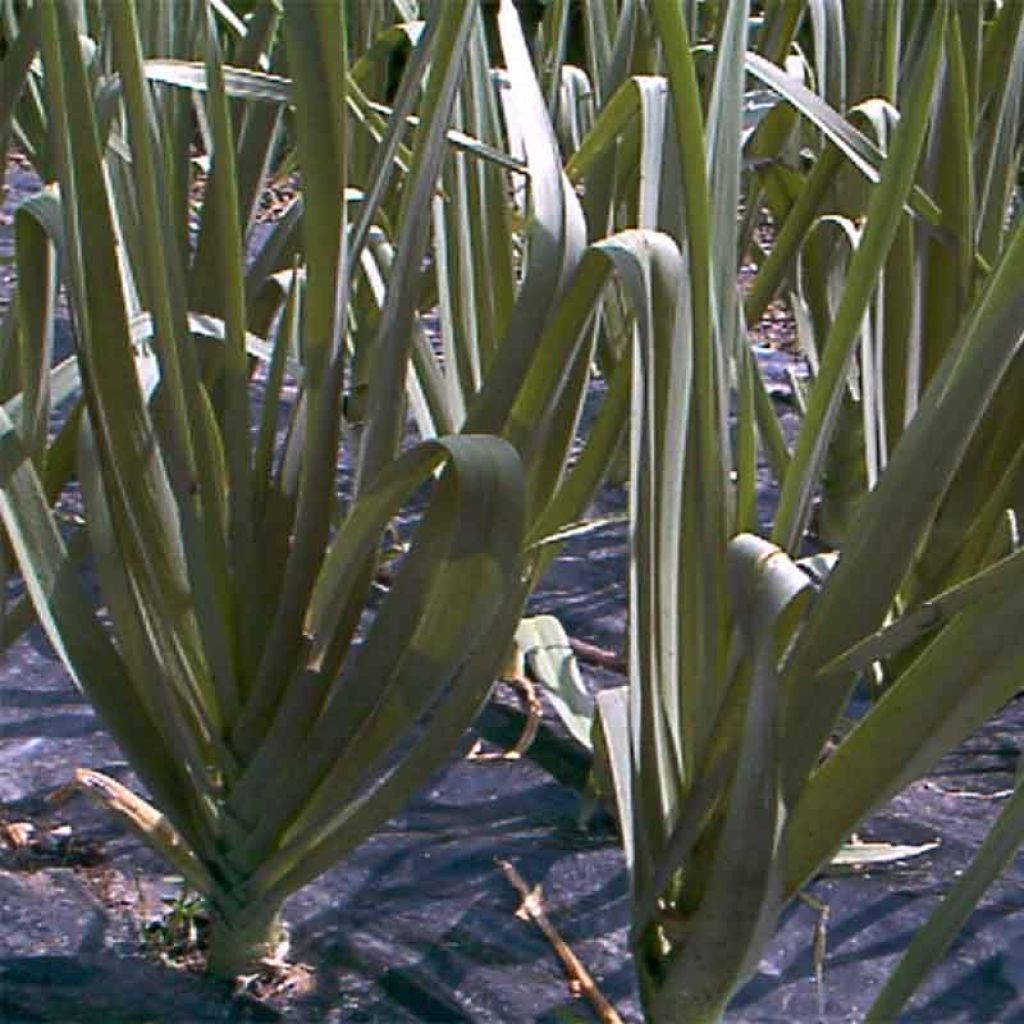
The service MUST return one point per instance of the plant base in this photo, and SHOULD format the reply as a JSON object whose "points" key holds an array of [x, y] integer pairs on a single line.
{"points": [[240, 946]]}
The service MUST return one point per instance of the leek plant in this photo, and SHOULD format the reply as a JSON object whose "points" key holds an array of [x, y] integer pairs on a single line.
{"points": [[271, 731], [274, 712], [730, 792]]}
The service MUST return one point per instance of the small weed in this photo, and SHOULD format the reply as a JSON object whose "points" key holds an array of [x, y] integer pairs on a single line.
{"points": [[177, 937]]}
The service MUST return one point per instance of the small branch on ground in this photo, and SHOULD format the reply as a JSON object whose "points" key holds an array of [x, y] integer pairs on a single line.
{"points": [[580, 980], [527, 693], [594, 655]]}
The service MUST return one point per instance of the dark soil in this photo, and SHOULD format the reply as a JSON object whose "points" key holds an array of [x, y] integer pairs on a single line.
{"points": [[419, 924]]}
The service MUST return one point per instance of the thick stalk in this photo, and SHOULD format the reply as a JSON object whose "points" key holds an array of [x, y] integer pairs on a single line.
{"points": [[240, 941]]}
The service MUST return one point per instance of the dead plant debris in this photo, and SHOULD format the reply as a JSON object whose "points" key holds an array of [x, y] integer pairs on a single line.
{"points": [[581, 982]]}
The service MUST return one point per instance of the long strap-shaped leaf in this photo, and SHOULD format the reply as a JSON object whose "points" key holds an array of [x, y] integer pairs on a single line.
{"points": [[1001, 578], [140, 495], [71, 626], [36, 261], [932, 940], [15, 66], [315, 37], [971, 669], [724, 134], [469, 689], [476, 465], [168, 701], [263, 87], [192, 446], [555, 237], [857, 147], [323, 311], [1001, 136], [946, 269], [646, 264], [882, 220], [643, 96], [895, 516], [742, 896], [464, 563], [475, 296], [222, 203], [703, 625], [390, 356]]}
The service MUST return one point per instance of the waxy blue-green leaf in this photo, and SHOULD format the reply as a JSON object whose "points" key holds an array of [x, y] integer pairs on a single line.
{"points": [[857, 148], [876, 557], [390, 354], [14, 70], [464, 560], [75, 632], [194, 524], [882, 219], [743, 894], [963, 677], [36, 298], [555, 232], [139, 488], [548, 655]]}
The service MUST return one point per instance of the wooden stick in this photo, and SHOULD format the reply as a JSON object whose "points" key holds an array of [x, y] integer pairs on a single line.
{"points": [[594, 655], [580, 980], [527, 693]]}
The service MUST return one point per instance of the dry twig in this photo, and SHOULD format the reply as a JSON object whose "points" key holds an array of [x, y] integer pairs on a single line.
{"points": [[531, 705], [594, 655], [580, 980]]}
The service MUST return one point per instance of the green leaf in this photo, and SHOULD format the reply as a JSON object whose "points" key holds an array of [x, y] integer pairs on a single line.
{"points": [[72, 628], [139, 490], [743, 893], [390, 354], [548, 654], [464, 563], [882, 220], [1001, 578], [36, 297], [896, 514], [14, 70], [555, 232], [613, 763], [927, 711], [858, 148], [707, 515]]}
